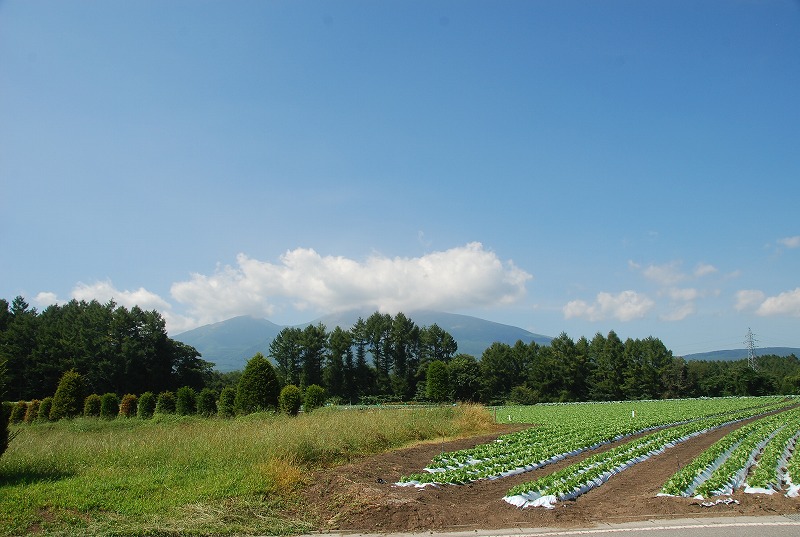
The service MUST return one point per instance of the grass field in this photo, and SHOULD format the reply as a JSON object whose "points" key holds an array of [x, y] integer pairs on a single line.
{"points": [[182, 476]]}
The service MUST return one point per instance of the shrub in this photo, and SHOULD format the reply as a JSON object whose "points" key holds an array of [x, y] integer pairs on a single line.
{"points": [[315, 397], [109, 406], [290, 399], [258, 388], [207, 402], [91, 406], [127, 408], [227, 402], [18, 412], [185, 401], [44, 409], [165, 404], [68, 400], [33, 411], [146, 406]]}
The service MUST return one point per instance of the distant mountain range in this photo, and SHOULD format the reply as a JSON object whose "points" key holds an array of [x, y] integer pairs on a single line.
{"points": [[741, 354], [229, 344]]}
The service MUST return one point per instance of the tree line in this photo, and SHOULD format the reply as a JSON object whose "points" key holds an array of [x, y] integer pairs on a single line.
{"points": [[379, 359], [115, 349]]}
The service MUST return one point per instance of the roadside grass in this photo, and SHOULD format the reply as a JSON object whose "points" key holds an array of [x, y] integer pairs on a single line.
{"points": [[193, 476]]}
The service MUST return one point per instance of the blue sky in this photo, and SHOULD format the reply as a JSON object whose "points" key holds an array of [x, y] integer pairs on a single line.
{"points": [[562, 166]]}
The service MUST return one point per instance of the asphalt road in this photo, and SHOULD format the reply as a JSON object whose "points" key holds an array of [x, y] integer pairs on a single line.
{"points": [[762, 526]]}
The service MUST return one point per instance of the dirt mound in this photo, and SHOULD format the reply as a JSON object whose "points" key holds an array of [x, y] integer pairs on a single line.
{"points": [[362, 496]]}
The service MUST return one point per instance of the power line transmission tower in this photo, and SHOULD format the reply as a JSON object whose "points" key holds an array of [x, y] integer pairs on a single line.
{"points": [[750, 342]]}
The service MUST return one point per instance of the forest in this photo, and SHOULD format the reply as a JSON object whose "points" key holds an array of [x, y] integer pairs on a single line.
{"points": [[382, 358]]}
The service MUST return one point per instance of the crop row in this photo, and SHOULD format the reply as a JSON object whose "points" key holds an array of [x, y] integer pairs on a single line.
{"points": [[578, 478], [724, 466], [571, 429]]}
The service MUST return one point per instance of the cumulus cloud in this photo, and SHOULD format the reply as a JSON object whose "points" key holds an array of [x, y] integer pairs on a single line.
{"points": [[667, 274], [105, 291], [704, 269], [624, 306], [786, 303], [790, 242], [748, 299], [461, 277]]}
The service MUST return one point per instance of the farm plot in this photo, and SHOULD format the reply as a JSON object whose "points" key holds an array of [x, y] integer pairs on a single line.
{"points": [[760, 449], [567, 430]]}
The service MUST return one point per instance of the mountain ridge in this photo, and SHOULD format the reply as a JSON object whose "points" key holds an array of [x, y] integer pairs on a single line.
{"points": [[230, 343]]}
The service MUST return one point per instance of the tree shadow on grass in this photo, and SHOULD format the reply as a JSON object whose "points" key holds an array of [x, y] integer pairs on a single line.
{"points": [[23, 477]]}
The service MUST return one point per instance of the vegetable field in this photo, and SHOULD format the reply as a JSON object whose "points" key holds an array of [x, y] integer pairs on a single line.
{"points": [[640, 430]]}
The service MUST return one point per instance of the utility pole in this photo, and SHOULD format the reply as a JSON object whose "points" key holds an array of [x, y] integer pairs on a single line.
{"points": [[750, 343]]}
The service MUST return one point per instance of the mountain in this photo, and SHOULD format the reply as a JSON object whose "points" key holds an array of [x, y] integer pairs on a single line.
{"points": [[229, 344], [730, 355]]}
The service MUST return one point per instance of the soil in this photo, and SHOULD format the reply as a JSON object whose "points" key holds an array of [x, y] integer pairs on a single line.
{"points": [[362, 496]]}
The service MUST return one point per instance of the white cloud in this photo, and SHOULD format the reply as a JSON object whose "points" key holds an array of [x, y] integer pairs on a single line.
{"points": [[683, 294], [462, 277], [704, 269], [624, 306], [105, 291], [790, 242], [667, 274], [679, 313], [748, 299], [786, 303], [45, 298]]}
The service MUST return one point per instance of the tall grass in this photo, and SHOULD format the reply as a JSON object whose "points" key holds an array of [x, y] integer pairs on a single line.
{"points": [[188, 475]]}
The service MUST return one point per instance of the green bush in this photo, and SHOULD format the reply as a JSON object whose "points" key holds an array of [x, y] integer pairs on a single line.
{"points": [[5, 417], [290, 399], [33, 411], [147, 405], [227, 402], [314, 398], [258, 388], [127, 408], [165, 404], [109, 406], [68, 400], [45, 408], [91, 406], [18, 412], [185, 401], [207, 402]]}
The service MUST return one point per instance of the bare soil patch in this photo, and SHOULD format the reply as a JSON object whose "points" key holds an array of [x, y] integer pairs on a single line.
{"points": [[362, 497]]}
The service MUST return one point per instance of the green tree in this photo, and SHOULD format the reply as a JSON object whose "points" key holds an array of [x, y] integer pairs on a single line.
{"points": [[290, 399], [437, 383], [69, 396], [207, 402], [91, 406], [314, 397], [18, 412], [185, 401], [45, 408], [339, 373], [258, 388], [226, 407], [146, 406], [165, 403], [286, 349], [312, 355], [109, 406], [465, 378]]}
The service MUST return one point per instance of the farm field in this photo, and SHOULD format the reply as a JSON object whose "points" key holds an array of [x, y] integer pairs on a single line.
{"points": [[338, 469]]}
